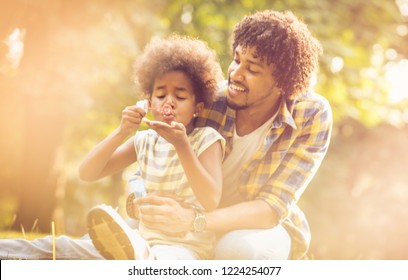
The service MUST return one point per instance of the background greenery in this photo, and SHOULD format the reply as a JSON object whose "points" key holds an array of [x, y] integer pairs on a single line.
{"points": [[66, 74]]}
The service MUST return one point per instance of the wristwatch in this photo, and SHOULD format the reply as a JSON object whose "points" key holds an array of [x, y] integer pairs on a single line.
{"points": [[200, 222]]}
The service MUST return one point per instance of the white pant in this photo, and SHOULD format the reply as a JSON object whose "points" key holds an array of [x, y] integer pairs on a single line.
{"points": [[268, 244], [254, 244]]}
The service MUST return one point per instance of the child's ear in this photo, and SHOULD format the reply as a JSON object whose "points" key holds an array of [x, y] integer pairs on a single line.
{"points": [[199, 107]]}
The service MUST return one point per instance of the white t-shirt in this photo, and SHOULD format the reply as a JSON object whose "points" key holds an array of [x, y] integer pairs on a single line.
{"points": [[244, 148]]}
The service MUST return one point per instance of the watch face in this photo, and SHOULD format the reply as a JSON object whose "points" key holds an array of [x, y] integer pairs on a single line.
{"points": [[200, 223]]}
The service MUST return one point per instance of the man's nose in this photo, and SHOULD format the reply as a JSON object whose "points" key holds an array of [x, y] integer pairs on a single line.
{"points": [[235, 73]]}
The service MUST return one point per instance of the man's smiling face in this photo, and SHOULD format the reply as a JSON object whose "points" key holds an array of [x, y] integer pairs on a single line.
{"points": [[250, 81]]}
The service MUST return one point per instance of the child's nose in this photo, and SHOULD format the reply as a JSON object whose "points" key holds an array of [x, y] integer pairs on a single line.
{"points": [[170, 100]]}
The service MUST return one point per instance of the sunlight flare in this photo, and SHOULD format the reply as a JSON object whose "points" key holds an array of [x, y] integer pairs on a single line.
{"points": [[396, 74]]}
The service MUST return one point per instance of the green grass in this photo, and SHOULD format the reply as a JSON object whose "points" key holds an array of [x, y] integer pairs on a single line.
{"points": [[17, 234]]}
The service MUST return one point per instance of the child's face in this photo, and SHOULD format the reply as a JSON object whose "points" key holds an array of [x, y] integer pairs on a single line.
{"points": [[173, 98]]}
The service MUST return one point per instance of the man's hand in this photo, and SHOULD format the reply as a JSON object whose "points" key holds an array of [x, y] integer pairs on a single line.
{"points": [[166, 214]]}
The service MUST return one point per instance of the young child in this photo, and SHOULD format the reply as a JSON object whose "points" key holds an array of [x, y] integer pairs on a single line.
{"points": [[178, 75]]}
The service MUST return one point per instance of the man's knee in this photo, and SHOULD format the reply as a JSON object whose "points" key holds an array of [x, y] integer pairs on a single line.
{"points": [[252, 245], [229, 248]]}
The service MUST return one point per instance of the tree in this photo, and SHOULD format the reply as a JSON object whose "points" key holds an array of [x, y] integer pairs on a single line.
{"points": [[44, 93]]}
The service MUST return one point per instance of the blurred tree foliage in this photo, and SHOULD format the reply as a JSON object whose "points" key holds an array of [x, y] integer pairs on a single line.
{"points": [[64, 91]]}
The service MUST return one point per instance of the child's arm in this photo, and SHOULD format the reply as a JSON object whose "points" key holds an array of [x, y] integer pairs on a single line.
{"points": [[210, 188], [204, 172], [110, 155]]}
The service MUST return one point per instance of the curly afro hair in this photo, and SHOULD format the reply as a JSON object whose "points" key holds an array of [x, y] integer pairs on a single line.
{"points": [[180, 53], [285, 42]]}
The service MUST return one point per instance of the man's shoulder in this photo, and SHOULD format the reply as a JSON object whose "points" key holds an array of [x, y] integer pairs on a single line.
{"points": [[215, 114], [311, 102], [313, 97], [311, 106]]}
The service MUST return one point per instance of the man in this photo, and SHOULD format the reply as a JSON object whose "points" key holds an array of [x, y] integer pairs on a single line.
{"points": [[277, 133]]}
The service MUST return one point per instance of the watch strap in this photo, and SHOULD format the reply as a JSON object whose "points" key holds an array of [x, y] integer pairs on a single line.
{"points": [[199, 223]]}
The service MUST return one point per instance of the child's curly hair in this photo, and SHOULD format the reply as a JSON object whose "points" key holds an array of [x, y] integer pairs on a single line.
{"points": [[180, 53], [285, 42]]}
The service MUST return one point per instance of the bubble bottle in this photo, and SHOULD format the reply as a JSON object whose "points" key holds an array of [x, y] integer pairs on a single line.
{"points": [[136, 189]]}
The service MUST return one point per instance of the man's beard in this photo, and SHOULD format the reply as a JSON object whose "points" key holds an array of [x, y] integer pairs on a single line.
{"points": [[236, 106]]}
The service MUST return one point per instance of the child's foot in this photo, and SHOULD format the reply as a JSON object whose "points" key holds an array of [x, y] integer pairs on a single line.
{"points": [[113, 237]]}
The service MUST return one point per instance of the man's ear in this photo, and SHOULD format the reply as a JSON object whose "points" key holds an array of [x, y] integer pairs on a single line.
{"points": [[198, 108]]}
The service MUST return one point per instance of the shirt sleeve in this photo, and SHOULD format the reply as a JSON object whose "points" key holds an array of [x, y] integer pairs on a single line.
{"points": [[207, 137], [300, 162]]}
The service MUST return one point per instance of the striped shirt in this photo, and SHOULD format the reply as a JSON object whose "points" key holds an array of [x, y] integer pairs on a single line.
{"points": [[162, 170], [286, 161]]}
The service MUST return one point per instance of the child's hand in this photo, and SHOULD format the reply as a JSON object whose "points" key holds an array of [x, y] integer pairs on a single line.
{"points": [[174, 133], [131, 118]]}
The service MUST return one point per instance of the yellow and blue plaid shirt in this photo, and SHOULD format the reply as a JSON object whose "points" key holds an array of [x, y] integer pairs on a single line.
{"points": [[281, 169]]}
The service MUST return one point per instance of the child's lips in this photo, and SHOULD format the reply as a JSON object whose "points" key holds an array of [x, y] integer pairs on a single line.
{"points": [[167, 111]]}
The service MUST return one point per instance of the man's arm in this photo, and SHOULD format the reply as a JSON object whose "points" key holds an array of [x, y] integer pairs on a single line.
{"points": [[165, 214]]}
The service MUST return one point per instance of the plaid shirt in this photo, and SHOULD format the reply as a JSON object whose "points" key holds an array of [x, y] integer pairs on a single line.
{"points": [[281, 169]]}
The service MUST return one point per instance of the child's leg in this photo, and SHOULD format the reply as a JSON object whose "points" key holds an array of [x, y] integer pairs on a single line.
{"points": [[113, 237]]}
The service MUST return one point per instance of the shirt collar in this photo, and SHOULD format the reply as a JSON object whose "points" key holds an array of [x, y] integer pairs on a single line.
{"points": [[285, 114]]}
